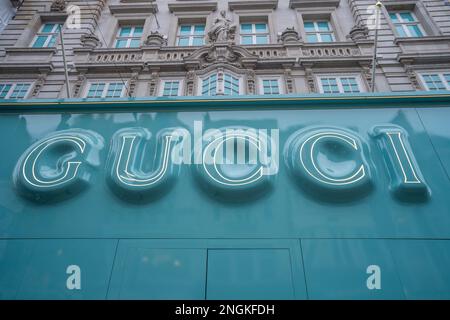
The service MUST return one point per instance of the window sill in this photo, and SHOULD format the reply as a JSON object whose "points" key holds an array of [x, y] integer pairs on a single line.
{"points": [[29, 58], [431, 45], [419, 40], [33, 50]]}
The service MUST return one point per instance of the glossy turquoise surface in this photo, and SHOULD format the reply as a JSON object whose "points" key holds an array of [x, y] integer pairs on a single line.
{"points": [[191, 239]]}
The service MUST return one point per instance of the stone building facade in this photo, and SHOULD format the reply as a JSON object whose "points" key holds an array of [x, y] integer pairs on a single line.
{"points": [[138, 48]]}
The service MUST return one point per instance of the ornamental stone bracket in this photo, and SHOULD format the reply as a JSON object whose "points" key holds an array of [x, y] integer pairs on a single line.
{"points": [[251, 81], [309, 75], [410, 72], [58, 6], [359, 32], [79, 83], [90, 41], [153, 84], [133, 80], [367, 72], [289, 80], [39, 83]]}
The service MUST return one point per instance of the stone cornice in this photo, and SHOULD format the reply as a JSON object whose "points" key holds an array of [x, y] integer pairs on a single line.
{"points": [[192, 6], [27, 67], [253, 5], [133, 8], [294, 4]]}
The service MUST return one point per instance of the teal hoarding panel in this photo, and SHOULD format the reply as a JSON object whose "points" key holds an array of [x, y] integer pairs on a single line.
{"points": [[359, 180], [340, 269], [144, 272], [437, 124], [41, 268], [249, 274], [255, 269], [423, 267]]}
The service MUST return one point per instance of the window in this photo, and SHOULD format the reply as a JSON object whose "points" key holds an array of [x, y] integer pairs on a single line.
{"points": [[129, 37], [46, 36], [318, 31], [105, 90], [214, 85], [14, 90], [270, 86], [344, 84], [406, 24], [231, 85], [209, 85], [191, 35], [170, 88], [254, 33], [436, 81]]}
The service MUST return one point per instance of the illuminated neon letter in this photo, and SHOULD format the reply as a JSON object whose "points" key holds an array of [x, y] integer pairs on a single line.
{"points": [[129, 169], [407, 182], [330, 163], [36, 176]]}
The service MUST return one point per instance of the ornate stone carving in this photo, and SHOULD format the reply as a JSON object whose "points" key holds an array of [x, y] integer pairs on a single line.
{"points": [[289, 35], [79, 84], [15, 3], [90, 41], [310, 77], [154, 83], [223, 30], [38, 84], [411, 74], [367, 74], [359, 32], [289, 81], [58, 6], [221, 53], [190, 82], [156, 39], [132, 83], [251, 88]]}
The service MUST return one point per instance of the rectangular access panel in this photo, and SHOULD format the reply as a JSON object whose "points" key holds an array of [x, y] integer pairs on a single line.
{"points": [[42, 268], [287, 197]]}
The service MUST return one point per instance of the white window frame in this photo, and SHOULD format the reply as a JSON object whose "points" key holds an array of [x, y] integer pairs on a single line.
{"points": [[220, 86], [105, 89], [13, 86], [163, 83], [254, 34], [261, 85], [403, 24], [317, 32], [49, 35], [129, 38], [441, 77], [191, 34], [357, 77]]}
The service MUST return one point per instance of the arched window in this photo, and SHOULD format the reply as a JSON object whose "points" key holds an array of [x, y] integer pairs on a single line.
{"points": [[220, 83]]}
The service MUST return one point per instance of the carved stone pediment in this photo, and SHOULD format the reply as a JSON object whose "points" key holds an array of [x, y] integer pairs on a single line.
{"points": [[221, 53]]}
